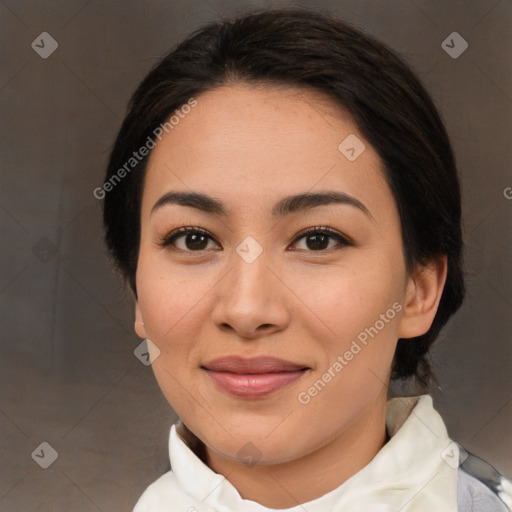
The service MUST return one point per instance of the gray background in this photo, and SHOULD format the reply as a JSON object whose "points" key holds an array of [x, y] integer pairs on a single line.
{"points": [[68, 374]]}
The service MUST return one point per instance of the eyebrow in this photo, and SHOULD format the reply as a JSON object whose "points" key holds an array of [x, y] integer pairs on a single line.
{"points": [[283, 207]]}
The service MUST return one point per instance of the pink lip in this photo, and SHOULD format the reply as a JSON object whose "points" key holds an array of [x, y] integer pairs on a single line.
{"points": [[254, 385], [254, 377]]}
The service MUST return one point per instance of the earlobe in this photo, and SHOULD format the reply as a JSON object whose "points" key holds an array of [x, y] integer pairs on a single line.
{"points": [[423, 293], [140, 329]]}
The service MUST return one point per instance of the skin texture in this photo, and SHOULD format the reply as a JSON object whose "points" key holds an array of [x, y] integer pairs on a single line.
{"points": [[250, 146]]}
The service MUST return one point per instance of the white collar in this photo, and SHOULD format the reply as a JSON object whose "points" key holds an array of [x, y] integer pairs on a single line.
{"points": [[415, 471]]}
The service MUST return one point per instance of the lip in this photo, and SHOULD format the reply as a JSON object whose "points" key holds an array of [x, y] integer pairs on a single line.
{"points": [[253, 377]]}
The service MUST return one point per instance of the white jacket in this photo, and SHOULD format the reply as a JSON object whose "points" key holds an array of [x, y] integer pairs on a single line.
{"points": [[420, 469]]}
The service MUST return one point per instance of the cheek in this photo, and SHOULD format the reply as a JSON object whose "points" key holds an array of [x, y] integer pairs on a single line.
{"points": [[173, 307], [346, 300], [171, 298], [356, 337]]}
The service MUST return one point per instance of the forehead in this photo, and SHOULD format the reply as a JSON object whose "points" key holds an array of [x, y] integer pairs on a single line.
{"points": [[250, 144]]}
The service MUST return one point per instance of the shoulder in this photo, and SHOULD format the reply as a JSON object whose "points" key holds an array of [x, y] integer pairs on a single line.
{"points": [[480, 487]]}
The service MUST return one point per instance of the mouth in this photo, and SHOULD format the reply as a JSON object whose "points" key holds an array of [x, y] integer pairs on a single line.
{"points": [[253, 377]]}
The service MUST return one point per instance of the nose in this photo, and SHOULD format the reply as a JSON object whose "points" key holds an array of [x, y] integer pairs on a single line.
{"points": [[251, 300]]}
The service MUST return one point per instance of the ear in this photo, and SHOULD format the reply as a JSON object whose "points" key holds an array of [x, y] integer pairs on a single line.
{"points": [[423, 293], [139, 328]]}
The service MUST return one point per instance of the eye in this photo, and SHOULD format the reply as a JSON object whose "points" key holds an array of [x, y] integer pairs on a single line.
{"points": [[195, 239], [318, 238]]}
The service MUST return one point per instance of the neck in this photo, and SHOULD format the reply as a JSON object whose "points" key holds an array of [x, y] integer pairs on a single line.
{"points": [[291, 483]]}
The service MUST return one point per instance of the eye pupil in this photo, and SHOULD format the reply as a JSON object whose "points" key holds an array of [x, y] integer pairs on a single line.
{"points": [[197, 243], [319, 238]]}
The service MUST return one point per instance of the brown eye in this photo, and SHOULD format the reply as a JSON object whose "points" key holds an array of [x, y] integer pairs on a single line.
{"points": [[194, 239], [318, 238]]}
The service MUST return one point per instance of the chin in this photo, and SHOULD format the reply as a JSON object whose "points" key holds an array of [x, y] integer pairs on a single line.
{"points": [[255, 446]]}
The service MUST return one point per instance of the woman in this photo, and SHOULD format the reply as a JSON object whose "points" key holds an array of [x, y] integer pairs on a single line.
{"points": [[283, 201]]}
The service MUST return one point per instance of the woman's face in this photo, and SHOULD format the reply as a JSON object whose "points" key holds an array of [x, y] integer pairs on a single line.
{"points": [[252, 285]]}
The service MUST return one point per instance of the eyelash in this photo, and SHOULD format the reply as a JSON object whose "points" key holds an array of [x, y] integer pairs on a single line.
{"points": [[343, 241]]}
